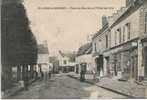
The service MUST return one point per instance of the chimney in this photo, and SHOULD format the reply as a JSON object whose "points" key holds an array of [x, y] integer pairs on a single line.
{"points": [[104, 21]]}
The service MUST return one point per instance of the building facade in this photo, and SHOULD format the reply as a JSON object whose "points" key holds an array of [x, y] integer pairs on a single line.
{"points": [[43, 58], [66, 62], [99, 46], [123, 43], [84, 59]]}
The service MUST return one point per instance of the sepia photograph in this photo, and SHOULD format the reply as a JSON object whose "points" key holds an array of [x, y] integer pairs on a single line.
{"points": [[73, 49]]}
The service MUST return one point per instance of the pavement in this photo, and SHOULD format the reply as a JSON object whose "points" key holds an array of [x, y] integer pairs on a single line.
{"points": [[130, 88], [63, 87]]}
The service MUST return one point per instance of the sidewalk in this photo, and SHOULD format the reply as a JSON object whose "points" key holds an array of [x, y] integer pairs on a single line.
{"points": [[128, 88]]}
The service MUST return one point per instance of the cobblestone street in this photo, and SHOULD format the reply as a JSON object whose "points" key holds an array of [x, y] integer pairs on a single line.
{"points": [[64, 87]]}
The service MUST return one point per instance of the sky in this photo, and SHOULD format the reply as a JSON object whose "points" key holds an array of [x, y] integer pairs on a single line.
{"points": [[67, 29]]}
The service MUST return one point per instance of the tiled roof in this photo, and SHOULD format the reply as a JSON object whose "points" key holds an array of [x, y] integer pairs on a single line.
{"points": [[85, 49], [127, 13], [100, 31], [70, 55]]}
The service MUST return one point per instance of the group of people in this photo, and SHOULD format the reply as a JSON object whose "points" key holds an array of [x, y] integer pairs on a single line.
{"points": [[46, 75]]}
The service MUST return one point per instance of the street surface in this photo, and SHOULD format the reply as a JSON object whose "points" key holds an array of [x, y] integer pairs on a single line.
{"points": [[63, 87]]}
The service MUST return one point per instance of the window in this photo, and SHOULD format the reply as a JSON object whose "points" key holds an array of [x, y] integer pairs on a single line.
{"points": [[109, 38], [128, 25], [124, 33], [119, 33], [106, 41], [115, 35], [146, 22], [95, 47]]}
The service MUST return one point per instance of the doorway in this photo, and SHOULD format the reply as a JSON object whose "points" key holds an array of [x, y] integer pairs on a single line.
{"points": [[134, 65], [99, 64], [108, 65]]}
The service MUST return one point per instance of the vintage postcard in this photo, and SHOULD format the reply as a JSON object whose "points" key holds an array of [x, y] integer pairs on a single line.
{"points": [[73, 49]]}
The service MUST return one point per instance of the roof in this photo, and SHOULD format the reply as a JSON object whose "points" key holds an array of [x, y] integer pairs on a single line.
{"points": [[100, 31], [42, 49], [127, 13], [85, 49], [70, 55]]}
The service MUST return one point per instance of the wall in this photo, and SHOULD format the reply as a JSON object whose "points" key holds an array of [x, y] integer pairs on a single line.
{"points": [[43, 58], [87, 58], [143, 10], [62, 59], [134, 21], [141, 66], [100, 42]]}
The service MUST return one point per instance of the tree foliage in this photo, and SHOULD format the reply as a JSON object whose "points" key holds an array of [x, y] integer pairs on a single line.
{"points": [[18, 43]]}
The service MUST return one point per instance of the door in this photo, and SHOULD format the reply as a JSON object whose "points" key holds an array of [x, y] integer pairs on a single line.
{"points": [[107, 65], [115, 65], [97, 65], [134, 67]]}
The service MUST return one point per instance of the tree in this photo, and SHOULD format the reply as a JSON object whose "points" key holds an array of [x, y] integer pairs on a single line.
{"points": [[18, 43]]}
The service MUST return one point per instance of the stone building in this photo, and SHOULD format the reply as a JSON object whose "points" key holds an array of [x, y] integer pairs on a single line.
{"points": [[84, 59], [99, 45], [122, 44], [66, 62], [43, 58]]}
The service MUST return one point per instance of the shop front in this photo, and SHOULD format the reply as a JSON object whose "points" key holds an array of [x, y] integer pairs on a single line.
{"points": [[122, 61]]}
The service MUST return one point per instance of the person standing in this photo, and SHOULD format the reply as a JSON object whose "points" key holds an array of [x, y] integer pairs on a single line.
{"points": [[26, 79]]}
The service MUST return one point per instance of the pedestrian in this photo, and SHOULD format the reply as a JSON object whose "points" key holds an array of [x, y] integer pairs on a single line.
{"points": [[42, 75], [45, 76], [36, 75], [26, 81], [49, 74], [82, 75]]}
